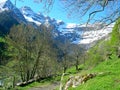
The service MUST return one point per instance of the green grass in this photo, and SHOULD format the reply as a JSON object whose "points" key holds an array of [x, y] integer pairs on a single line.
{"points": [[44, 82], [110, 80], [34, 84]]}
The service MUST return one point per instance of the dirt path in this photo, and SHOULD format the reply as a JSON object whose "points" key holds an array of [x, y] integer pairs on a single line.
{"points": [[52, 86]]}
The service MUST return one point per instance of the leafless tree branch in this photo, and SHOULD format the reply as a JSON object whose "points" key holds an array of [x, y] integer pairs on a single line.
{"points": [[80, 8]]}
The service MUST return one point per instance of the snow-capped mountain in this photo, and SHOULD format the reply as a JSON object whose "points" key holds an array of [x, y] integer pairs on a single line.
{"points": [[38, 18], [86, 35], [27, 16], [77, 34], [6, 5]]}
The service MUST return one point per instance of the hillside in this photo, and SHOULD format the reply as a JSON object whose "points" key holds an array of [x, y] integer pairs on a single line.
{"points": [[104, 61], [107, 77], [40, 52]]}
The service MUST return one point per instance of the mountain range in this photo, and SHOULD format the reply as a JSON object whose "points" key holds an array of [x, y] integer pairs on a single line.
{"points": [[75, 33]]}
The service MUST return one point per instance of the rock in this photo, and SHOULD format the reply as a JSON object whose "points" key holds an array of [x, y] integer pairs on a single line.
{"points": [[74, 81]]}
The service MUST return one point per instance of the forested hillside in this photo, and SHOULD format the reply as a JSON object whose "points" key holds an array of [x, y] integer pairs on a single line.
{"points": [[28, 55], [45, 53]]}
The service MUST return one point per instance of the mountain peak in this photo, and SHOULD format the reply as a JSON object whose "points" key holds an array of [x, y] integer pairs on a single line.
{"points": [[3, 1], [6, 5], [38, 18]]}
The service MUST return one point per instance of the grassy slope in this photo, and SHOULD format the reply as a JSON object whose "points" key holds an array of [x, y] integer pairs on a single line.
{"points": [[108, 81]]}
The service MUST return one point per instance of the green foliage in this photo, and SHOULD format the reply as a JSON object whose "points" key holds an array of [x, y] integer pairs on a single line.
{"points": [[104, 48], [101, 58], [2, 39], [32, 53], [115, 39], [96, 54], [4, 51]]}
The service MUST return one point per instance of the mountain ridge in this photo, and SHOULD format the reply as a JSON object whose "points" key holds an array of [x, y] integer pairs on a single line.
{"points": [[75, 33]]}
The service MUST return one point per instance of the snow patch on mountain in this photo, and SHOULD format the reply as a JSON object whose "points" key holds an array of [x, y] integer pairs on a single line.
{"points": [[38, 18], [77, 34], [71, 25], [6, 5], [86, 35], [30, 16]]}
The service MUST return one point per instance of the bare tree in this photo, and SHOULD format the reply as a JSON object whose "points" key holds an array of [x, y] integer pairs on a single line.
{"points": [[64, 50], [77, 52], [92, 8], [35, 54]]}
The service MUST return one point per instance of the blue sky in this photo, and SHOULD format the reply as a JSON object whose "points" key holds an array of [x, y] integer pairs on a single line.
{"points": [[57, 11]]}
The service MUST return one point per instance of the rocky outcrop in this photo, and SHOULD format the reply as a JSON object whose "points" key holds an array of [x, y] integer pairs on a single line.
{"points": [[74, 81]]}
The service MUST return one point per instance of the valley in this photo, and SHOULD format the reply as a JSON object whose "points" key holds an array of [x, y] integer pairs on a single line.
{"points": [[38, 52]]}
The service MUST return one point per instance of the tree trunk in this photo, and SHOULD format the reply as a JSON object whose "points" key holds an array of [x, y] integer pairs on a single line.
{"points": [[13, 81], [77, 67], [77, 64], [35, 65], [64, 69]]}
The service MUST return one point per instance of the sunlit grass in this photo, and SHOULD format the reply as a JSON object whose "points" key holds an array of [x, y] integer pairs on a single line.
{"points": [[109, 80]]}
